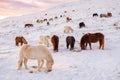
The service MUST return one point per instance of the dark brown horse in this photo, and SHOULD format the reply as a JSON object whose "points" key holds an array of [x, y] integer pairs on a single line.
{"points": [[28, 25], [55, 42], [21, 40], [68, 19], [70, 40], [92, 38]]}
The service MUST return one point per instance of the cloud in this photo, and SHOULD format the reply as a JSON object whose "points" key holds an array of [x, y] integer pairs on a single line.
{"points": [[20, 7], [12, 7]]}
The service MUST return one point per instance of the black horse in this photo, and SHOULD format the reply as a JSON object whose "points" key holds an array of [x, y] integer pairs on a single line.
{"points": [[81, 24], [95, 14]]}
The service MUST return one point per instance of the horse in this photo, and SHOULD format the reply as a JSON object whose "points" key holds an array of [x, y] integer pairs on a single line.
{"points": [[39, 21], [55, 17], [95, 14], [103, 15], [81, 24], [28, 25], [68, 19], [70, 40], [48, 23], [106, 15], [39, 53], [68, 29], [51, 19], [20, 39], [109, 14], [44, 40], [89, 38], [55, 42]]}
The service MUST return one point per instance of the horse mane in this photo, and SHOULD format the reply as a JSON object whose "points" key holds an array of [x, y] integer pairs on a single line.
{"points": [[23, 39]]}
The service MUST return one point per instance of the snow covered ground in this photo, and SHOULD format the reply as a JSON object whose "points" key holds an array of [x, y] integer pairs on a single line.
{"points": [[87, 64]]}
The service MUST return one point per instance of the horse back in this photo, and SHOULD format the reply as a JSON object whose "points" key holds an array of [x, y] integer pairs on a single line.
{"points": [[70, 39], [96, 37]]}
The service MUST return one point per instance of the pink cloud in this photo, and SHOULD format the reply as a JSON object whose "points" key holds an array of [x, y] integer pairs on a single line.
{"points": [[20, 7]]}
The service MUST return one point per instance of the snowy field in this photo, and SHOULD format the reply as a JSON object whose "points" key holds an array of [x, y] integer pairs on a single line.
{"points": [[87, 64]]}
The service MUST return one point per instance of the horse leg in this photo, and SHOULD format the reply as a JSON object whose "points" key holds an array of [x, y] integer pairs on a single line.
{"points": [[20, 64], [40, 64], [25, 63], [67, 45], [86, 45], [90, 45], [72, 46], [101, 42], [56, 47]]}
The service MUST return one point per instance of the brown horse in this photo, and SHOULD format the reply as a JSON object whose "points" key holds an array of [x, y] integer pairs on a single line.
{"points": [[20, 39], [70, 40], [68, 19], [92, 38], [109, 14], [55, 42], [28, 25]]}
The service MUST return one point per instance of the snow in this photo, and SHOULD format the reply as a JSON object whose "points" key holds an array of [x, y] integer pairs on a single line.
{"points": [[87, 64]]}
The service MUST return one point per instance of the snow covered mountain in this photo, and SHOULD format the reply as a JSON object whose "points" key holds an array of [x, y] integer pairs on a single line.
{"points": [[87, 64]]}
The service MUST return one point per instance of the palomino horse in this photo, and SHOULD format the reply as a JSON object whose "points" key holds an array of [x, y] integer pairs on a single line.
{"points": [[55, 42], [92, 38], [39, 53], [20, 39], [44, 40], [70, 40], [68, 29]]}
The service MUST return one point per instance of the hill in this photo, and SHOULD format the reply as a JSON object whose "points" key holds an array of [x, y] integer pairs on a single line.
{"points": [[87, 64]]}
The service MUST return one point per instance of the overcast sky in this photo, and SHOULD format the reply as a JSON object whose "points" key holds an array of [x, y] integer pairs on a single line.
{"points": [[20, 7]]}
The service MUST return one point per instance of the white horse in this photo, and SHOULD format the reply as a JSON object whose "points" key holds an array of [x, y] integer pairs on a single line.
{"points": [[39, 53], [44, 40], [68, 29]]}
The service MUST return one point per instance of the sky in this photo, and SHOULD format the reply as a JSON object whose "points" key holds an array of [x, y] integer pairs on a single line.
{"points": [[21, 7]]}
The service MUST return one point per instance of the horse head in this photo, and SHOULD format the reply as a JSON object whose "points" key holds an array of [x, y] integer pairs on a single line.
{"points": [[49, 64]]}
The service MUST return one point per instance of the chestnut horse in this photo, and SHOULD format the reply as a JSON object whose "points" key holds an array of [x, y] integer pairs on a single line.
{"points": [[55, 42], [109, 14], [20, 39], [92, 38], [70, 40]]}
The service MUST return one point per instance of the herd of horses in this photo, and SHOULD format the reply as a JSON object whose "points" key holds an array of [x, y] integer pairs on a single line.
{"points": [[68, 19], [87, 38], [41, 52]]}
